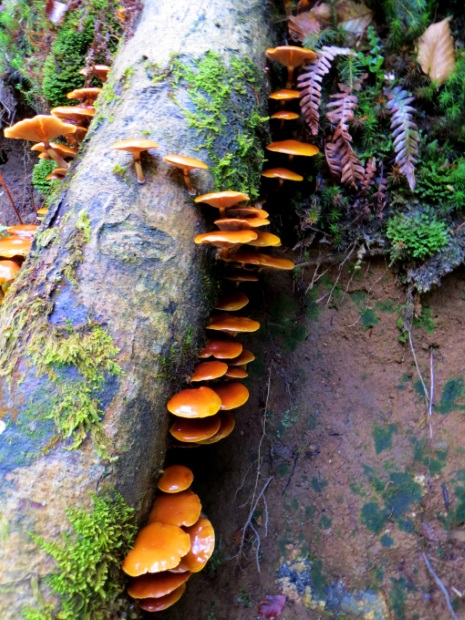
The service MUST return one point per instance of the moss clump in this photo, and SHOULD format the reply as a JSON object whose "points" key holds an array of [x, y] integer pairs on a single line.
{"points": [[416, 236], [227, 117], [88, 579], [39, 172]]}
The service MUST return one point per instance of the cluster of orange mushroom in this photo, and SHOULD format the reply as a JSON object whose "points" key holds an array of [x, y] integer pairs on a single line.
{"points": [[291, 57], [13, 250], [176, 542]]}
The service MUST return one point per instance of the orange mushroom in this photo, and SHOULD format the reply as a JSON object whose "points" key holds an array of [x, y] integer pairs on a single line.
{"points": [[162, 603], [136, 146], [232, 302], [99, 71], [284, 115], [8, 271], [233, 324], [293, 147], [14, 246], [228, 423], [200, 402], [74, 113], [86, 96], [245, 357], [221, 349], [291, 57], [232, 395], [285, 94], [282, 174], [242, 223], [262, 260], [157, 585], [186, 164], [265, 239], [176, 508], [58, 174], [193, 431], [226, 240], [25, 231], [222, 200], [158, 547], [241, 212], [202, 537], [235, 372], [207, 371], [175, 478]]}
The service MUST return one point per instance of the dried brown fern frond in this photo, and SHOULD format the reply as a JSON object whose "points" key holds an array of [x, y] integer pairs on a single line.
{"points": [[352, 170], [380, 194], [310, 83], [342, 107], [333, 159], [369, 176], [404, 132]]}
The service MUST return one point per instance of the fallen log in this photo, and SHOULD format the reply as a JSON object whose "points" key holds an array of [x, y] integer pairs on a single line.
{"points": [[108, 312]]}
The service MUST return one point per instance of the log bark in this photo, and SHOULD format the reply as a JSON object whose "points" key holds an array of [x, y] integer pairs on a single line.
{"points": [[114, 263]]}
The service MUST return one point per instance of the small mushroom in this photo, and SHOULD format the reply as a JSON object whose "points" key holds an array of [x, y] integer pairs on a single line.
{"points": [[86, 96], [222, 200], [285, 94], [291, 57], [164, 602], [233, 324], [176, 508], [221, 349], [283, 116], [241, 223], [186, 164], [175, 478], [232, 302], [228, 423], [99, 71], [200, 402], [193, 431], [262, 260], [158, 547], [293, 147], [207, 371], [74, 114], [264, 240], [62, 151], [202, 537], [282, 174], [25, 231], [232, 395], [136, 146], [57, 175], [157, 585], [14, 246], [236, 373], [227, 241], [245, 357], [8, 271]]}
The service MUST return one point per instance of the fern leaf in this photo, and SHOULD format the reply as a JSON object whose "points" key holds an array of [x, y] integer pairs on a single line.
{"points": [[342, 107], [352, 169], [310, 83], [369, 176], [404, 132], [333, 159]]}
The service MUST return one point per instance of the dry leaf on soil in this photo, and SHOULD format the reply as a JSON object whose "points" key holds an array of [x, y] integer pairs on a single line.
{"points": [[272, 606], [354, 17], [435, 51]]}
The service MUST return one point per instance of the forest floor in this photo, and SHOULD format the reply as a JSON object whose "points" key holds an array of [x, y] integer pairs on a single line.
{"points": [[335, 438]]}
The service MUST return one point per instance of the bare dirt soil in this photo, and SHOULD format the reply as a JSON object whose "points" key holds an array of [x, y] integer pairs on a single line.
{"points": [[331, 463]]}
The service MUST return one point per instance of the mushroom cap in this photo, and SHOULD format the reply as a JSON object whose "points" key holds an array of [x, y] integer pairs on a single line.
{"points": [[245, 357], [282, 173], [207, 371], [158, 547], [14, 246], [61, 149], [185, 163], [193, 431], [232, 302], [262, 260], [159, 604], [135, 145], [233, 324], [232, 395], [293, 147], [285, 94], [265, 239], [236, 372], [222, 200], [202, 537], [174, 479], [73, 112], [84, 93], [228, 422], [101, 71], [200, 402], [8, 271], [290, 56], [181, 508], [240, 211], [222, 238], [241, 275], [41, 128], [25, 231], [285, 115], [42, 212], [244, 223], [157, 585], [221, 349]]}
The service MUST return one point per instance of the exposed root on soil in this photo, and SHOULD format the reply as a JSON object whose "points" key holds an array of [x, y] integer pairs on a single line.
{"points": [[429, 393], [257, 495], [441, 585]]}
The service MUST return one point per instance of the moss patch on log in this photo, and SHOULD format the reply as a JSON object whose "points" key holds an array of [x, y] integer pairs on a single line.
{"points": [[227, 116], [88, 579], [77, 360]]}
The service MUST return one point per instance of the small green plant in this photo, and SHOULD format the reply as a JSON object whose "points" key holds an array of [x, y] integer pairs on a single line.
{"points": [[416, 236]]}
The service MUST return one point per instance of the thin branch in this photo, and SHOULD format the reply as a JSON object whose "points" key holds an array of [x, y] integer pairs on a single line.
{"points": [[441, 585], [412, 348]]}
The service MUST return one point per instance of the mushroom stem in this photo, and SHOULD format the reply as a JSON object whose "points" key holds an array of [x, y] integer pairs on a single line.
{"points": [[10, 198], [290, 77], [187, 180], [138, 167], [55, 156]]}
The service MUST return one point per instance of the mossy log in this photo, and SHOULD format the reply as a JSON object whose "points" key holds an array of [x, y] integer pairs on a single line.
{"points": [[108, 312]]}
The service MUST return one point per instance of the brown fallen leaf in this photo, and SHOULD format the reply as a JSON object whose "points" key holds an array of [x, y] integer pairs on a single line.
{"points": [[300, 26], [272, 606], [435, 51], [55, 11], [353, 16]]}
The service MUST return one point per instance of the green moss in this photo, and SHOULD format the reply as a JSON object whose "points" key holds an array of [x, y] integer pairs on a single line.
{"points": [[75, 245], [382, 437], [226, 116], [42, 169], [416, 236], [452, 391], [88, 577], [121, 172]]}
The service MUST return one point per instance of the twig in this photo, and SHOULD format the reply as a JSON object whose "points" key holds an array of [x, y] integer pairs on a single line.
{"points": [[249, 523], [431, 393], [412, 348], [440, 584], [334, 259], [10, 197]]}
